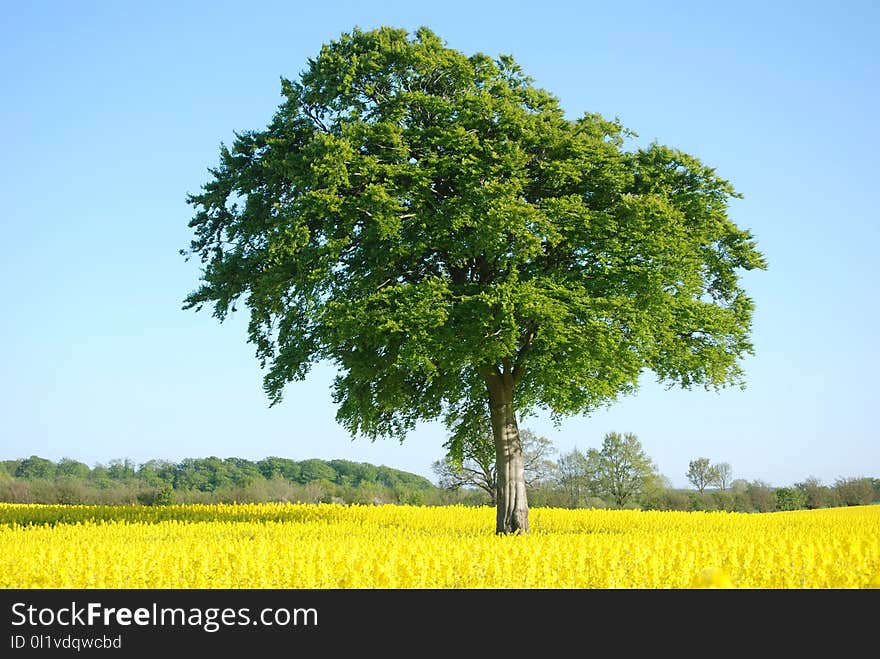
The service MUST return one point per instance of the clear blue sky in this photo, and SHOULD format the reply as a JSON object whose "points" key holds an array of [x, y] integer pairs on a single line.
{"points": [[113, 111]]}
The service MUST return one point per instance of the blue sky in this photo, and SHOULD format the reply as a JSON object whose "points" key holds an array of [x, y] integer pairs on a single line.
{"points": [[113, 112]]}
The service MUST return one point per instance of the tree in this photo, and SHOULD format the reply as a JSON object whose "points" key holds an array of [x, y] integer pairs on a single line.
{"points": [[242, 472], [275, 467], [72, 468], [434, 226], [576, 474], [316, 470], [700, 474], [624, 467], [35, 467], [816, 495], [158, 473], [473, 463], [120, 470], [761, 496], [722, 475], [790, 498], [855, 491]]}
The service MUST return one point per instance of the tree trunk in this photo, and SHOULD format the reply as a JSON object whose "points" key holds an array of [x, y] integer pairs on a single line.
{"points": [[510, 480]]}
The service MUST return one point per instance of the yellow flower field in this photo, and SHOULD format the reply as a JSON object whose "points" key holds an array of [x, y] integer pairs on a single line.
{"points": [[337, 546]]}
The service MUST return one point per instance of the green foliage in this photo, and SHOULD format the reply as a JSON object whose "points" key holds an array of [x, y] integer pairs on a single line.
{"points": [[815, 495], [203, 474], [100, 477], [161, 496], [157, 473], [666, 499], [624, 469], [9, 467], [761, 496], [652, 488], [855, 491], [120, 470], [165, 496], [700, 474], [212, 479], [71, 468], [620, 473], [790, 498], [395, 477], [35, 467], [242, 472], [274, 467], [316, 470], [422, 219], [354, 473]]}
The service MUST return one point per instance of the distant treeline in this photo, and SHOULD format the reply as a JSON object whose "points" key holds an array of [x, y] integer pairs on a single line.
{"points": [[740, 496], [229, 480], [210, 480]]}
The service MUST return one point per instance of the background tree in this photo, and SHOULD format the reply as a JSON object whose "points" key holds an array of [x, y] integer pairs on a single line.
{"points": [[433, 225], [700, 474], [472, 464], [854, 491], [657, 493], [722, 475], [315, 470], [120, 470], [789, 498], [815, 494], [158, 473], [624, 467], [35, 467], [577, 474], [761, 496], [469, 463], [72, 468], [275, 467]]}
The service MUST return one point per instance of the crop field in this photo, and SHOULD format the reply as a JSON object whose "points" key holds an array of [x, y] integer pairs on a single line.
{"points": [[318, 546]]}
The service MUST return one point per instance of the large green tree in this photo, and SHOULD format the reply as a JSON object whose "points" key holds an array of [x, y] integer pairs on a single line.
{"points": [[435, 226]]}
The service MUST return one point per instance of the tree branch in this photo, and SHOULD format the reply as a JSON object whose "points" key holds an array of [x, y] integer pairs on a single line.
{"points": [[519, 360]]}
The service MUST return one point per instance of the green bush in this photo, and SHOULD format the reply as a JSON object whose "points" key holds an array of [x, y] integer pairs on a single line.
{"points": [[790, 498]]}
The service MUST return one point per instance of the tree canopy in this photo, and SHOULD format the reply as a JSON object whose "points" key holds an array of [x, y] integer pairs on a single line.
{"points": [[435, 226]]}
